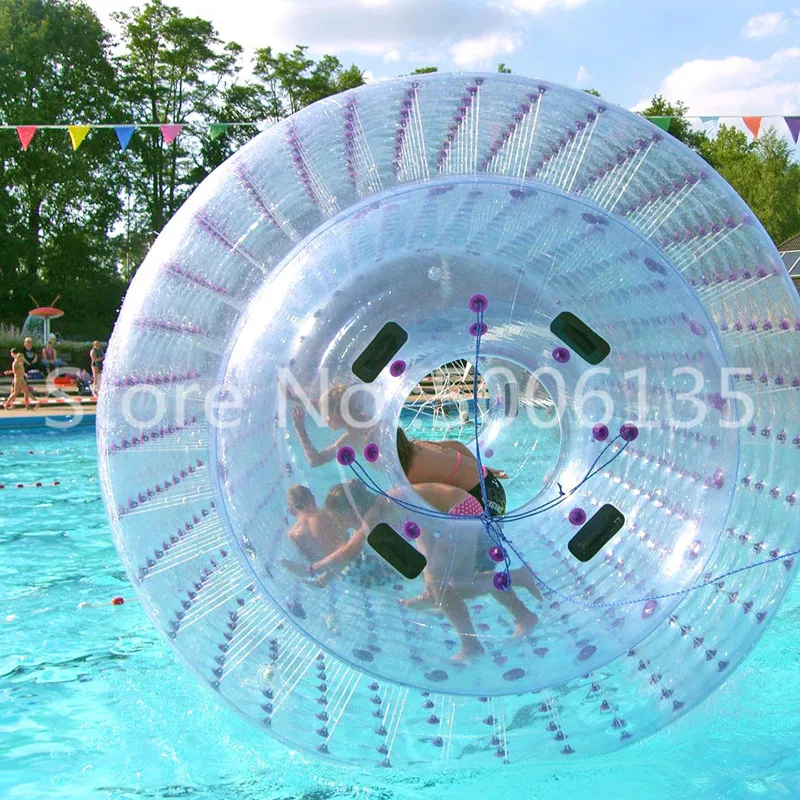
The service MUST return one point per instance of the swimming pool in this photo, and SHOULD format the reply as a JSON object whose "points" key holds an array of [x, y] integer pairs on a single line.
{"points": [[93, 703]]}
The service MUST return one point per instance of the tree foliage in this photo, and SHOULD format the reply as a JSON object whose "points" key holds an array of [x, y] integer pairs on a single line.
{"points": [[78, 224], [764, 175], [171, 71], [761, 171], [679, 125], [57, 212]]}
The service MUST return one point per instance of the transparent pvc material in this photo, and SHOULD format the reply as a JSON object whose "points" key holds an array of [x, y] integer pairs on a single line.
{"points": [[398, 202]]}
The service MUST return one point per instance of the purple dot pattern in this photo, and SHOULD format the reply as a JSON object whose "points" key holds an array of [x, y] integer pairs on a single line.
{"points": [[478, 303], [600, 432], [412, 530], [561, 355], [501, 581], [577, 516], [474, 329], [346, 456], [629, 432]]}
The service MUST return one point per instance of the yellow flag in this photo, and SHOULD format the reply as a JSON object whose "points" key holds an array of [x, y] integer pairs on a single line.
{"points": [[77, 133]]}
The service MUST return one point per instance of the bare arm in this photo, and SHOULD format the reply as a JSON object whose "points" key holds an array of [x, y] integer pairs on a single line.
{"points": [[344, 554], [348, 551], [316, 458]]}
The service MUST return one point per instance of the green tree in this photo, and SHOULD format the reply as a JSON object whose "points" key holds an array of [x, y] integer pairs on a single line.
{"points": [[424, 70], [172, 70], [592, 92], [240, 103], [290, 81], [502, 68], [763, 173], [282, 84], [679, 125], [57, 208]]}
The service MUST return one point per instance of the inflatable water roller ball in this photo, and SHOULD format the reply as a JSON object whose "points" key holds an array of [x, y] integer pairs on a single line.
{"points": [[557, 242]]}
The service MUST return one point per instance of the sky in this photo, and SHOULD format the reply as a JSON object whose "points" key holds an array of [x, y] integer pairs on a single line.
{"points": [[721, 57]]}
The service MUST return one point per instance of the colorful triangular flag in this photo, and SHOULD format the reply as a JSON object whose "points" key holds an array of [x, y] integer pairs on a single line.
{"points": [[77, 133], [662, 122], [170, 132], [25, 133], [793, 124], [216, 129], [753, 125], [712, 120], [124, 134]]}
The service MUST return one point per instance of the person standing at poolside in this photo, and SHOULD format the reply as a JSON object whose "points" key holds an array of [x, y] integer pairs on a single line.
{"points": [[29, 355], [97, 356]]}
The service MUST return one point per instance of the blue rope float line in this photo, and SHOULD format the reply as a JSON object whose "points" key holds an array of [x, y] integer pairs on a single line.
{"points": [[492, 524]]}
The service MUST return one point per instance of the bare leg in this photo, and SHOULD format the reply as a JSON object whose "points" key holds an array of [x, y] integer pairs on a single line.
{"points": [[525, 619], [455, 609], [482, 584], [29, 398], [449, 600], [524, 578], [12, 395], [422, 601]]}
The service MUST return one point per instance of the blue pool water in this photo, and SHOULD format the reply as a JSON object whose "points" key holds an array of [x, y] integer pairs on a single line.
{"points": [[93, 704]]}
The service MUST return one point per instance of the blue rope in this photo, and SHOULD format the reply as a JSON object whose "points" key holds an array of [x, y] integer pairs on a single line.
{"points": [[493, 531], [492, 524], [636, 601]]}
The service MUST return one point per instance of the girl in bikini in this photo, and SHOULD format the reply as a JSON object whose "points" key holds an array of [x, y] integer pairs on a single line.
{"points": [[451, 463], [19, 386]]}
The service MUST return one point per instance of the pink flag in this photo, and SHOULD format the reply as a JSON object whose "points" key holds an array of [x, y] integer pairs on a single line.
{"points": [[25, 133], [794, 127], [753, 125], [170, 132]]}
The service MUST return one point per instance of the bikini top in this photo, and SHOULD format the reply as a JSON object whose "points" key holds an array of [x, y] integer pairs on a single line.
{"points": [[459, 455]]}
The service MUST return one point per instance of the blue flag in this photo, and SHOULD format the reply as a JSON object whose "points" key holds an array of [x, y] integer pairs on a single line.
{"points": [[124, 133]]}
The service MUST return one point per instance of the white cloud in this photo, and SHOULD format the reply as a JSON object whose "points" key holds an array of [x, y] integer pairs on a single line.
{"points": [[538, 6], [737, 85], [770, 24], [583, 76], [391, 29], [418, 31], [480, 50]]}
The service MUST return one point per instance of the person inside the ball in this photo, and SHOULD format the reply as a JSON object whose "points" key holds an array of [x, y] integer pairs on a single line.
{"points": [[342, 408], [449, 577], [316, 532], [450, 462]]}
